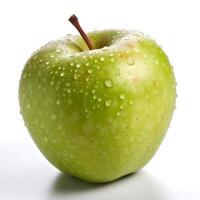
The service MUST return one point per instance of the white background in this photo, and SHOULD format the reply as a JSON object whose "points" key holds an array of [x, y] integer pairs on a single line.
{"points": [[174, 172]]}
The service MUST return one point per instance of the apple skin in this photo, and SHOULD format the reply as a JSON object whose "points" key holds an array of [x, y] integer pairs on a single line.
{"points": [[100, 114]]}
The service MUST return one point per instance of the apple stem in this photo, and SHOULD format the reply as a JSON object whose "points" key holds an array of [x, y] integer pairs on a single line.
{"points": [[74, 20]]}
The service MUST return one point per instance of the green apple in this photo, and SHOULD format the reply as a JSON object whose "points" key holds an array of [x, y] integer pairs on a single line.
{"points": [[98, 114]]}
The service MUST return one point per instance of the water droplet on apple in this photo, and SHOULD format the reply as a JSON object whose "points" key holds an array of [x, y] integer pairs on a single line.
{"points": [[70, 55], [41, 60], [60, 127], [90, 71], [105, 48], [136, 50], [93, 91], [94, 97], [121, 107], [68, 90], [112, 59], [174, 107], [87, 64], [99, 99], [53, 116], [108, 103], [75, 76], [102, 59], [96, 85], [87, 79], [117, 72], [144, 55], [62, 73], [24, 76], [87, 116], [52, 83], [58, 102], [78, 65], [72, 64], [126, 37], [95, 61], [118, 114], [130, 61], [35, 57], [47, 63], [69, 36], [46, 139], [23, 95], [130, 102], [122, 96], [52, 56], [108, 83], [58, 50]]}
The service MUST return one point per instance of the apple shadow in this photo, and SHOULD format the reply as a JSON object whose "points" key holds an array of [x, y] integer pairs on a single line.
{"points": [[65, 183], [140, 186]]}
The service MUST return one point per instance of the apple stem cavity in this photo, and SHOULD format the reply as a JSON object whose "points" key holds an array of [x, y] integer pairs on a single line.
{"points": [[74, 20]]}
